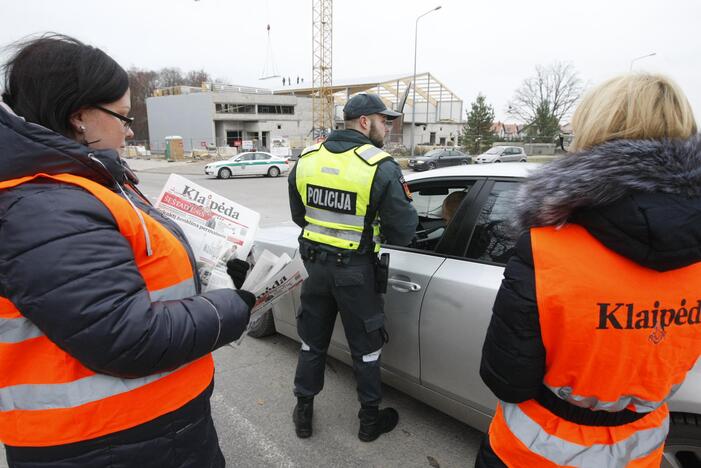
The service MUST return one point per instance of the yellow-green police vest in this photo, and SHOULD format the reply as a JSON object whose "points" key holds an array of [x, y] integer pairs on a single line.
{"points": [[335, 189]]}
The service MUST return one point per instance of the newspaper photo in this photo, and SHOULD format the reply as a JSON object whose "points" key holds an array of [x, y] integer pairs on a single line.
{"points": [[217, 228]]}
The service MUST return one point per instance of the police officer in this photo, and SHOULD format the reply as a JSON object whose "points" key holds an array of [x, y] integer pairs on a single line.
{"points": [[345, 193]]}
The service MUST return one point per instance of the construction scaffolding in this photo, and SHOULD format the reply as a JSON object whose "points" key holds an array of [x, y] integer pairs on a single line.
{"points": [[322, 66]]}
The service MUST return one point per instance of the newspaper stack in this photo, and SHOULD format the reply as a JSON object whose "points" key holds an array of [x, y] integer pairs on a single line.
{"points": [[272, 277], [219, 229]]}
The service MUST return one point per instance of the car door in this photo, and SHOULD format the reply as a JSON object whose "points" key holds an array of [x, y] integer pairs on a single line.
{"points": [[262, 163], [457, 305], [444, 159], [244, 164], [410, 272], [514, 154]]}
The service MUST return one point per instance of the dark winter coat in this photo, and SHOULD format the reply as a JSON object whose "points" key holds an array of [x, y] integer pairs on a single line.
{"points": [[641, 199], [67, 268]]}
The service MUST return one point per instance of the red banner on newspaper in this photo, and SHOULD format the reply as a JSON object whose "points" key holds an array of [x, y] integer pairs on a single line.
{"points": [[187, 206]]}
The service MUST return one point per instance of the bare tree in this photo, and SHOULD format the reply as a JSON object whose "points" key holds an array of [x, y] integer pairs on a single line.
{"points": [[170, 77], [546, 99], [142, 83], [196, 78]]}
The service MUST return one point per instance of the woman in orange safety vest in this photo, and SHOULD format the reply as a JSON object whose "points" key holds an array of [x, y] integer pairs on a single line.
{"points": [[105, 337], [597, 320]]}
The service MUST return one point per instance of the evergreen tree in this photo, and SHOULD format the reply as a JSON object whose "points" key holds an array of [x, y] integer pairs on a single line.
{"points": [[477, 133]]}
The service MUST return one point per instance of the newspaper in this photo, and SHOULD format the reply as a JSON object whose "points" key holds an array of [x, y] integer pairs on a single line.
{"points": [[272, 277], [217, 228]]}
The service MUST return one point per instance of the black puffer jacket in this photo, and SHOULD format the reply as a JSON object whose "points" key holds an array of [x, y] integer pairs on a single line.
{"points": [[642, 199], [67, 268]]}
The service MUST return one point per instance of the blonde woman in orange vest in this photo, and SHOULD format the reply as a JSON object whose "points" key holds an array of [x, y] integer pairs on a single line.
{"points": [[105, 339], [597, 320]]}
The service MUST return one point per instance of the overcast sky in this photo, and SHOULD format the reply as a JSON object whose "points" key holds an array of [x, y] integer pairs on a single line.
{"points": [[471, 46]]}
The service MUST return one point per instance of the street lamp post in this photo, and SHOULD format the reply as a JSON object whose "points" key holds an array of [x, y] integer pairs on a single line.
{"points": [[638, 58], [413, 82]]}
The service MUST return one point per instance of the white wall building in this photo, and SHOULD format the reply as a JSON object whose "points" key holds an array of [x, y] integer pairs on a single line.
{"points": [[225, 115]]}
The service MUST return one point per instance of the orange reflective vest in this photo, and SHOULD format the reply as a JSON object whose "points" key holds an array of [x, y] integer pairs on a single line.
{"points": [[49, 398], [617, 336]]}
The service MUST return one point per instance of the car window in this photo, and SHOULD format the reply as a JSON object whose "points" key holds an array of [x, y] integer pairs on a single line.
{"points": [[262, 156], [434, 215], [492, 239], [246, 157]]}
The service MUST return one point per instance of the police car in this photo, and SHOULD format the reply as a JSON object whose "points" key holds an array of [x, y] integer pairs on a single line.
{"points": [[253, 163]]}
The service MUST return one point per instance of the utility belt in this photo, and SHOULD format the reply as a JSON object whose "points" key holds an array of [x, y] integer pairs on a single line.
{"points": [[585, 416], [318, 254]]}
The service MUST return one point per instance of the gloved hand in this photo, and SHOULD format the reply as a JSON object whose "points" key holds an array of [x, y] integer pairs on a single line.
{"points": [[237, 269], [249, 298]]}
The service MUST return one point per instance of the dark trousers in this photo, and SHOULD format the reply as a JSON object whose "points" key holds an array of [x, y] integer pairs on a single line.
{"points": [[486, 458], [350, 290]]}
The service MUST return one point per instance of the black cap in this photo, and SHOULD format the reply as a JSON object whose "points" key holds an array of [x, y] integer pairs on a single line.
{"points": [[367, 104]]}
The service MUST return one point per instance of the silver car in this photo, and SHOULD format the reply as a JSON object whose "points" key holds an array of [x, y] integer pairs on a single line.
{"points": [[439, 301], [499, 154]]}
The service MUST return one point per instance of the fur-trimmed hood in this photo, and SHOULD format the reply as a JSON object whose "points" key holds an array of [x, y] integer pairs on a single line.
{"points": [[641, 198]]}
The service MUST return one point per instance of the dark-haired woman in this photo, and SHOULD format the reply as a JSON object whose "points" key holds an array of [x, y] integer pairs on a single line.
{"points": [[105, 339]]}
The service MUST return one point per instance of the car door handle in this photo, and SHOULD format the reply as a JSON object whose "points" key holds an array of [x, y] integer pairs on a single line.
{"points": [[404, 286]]}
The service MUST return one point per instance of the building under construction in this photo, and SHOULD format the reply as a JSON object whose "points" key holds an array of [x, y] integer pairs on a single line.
{"points": [[436, 116], [227, 115]]}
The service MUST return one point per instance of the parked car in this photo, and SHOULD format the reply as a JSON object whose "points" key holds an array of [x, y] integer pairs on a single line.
{"points": [[439, 301], [253, 163], [439, 158], [502, 154]]}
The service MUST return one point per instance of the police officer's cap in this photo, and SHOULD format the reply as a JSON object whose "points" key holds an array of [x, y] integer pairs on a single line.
{"points": [[367, 104]]}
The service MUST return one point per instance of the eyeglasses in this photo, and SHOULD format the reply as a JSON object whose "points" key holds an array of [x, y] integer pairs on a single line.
{"points": [[126, 120]]}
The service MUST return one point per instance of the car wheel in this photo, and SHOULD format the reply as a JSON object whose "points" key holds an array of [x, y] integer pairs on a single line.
{"points": [[263, 326], [273, 172], [497, 160], [465, 162], [524, 160], [431, 165], [224, 173], [683, 446]]}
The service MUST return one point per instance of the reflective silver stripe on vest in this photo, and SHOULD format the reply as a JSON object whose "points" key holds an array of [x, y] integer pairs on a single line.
{"points": [[18, 329], [562, 452], [339, 233], [368, 153], [67, 395], [333, 217], [640, 406], [177, 291]]}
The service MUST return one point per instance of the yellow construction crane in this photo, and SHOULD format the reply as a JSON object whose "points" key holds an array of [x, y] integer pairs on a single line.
{"points": [[322, 41]]}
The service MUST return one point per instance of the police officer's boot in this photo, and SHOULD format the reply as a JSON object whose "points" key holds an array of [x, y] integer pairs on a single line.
{"points": [[302, 416], [374, 421]]}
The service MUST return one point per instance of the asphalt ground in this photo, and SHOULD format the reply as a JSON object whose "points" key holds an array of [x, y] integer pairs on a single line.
{"points": [[252, 401]]}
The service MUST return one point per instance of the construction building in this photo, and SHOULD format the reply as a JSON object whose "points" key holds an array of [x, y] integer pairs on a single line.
{"points": [[217, 115], [438, 111], [234, 116]]}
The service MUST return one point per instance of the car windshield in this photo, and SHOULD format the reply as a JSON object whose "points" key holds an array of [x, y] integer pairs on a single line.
{"points": [[495, 150], [434, 152]]}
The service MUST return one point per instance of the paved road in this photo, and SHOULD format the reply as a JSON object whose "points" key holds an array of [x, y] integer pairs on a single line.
{"points": [[253, 400]]}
